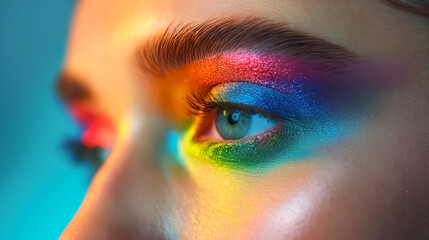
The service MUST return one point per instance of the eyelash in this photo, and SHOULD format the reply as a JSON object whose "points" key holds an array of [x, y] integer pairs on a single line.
{"points": [[199, 105]]}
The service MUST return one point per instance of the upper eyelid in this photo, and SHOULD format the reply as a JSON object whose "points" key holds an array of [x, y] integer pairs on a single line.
{"points": [[295, 107], [255, 110], [217, 103]]}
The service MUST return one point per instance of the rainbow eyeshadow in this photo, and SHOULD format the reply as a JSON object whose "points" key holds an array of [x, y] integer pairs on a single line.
{"points": [[314, 106]]}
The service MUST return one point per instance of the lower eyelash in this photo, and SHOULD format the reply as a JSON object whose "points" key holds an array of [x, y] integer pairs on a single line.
{"points": [[210, 150], [216, 151]]}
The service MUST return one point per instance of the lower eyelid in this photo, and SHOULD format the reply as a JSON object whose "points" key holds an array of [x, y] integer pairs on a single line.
{"points": [[237, 153], [260, 124]]}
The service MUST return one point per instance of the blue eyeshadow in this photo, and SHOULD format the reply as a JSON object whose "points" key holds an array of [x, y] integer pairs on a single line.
{"points": [[298, 105]]}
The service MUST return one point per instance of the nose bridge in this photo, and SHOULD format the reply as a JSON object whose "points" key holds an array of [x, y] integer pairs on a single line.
{"points": [[128, 192]]}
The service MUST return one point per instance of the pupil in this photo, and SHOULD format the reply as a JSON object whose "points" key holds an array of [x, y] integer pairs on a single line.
{"points": [[233, 118]]}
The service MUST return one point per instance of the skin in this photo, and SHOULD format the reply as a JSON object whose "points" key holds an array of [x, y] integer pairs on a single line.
{"points": [[372, 187]]}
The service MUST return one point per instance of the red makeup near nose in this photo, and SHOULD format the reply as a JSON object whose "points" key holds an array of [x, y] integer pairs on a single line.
{"points": [[98, 131]]}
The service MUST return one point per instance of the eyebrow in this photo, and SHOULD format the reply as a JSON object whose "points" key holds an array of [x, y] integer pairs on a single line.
{"points": [[179, 45], [420, 7], [70, 88]]}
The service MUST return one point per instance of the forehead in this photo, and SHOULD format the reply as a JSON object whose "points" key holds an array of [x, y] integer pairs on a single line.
{"points": [[102, 27]]}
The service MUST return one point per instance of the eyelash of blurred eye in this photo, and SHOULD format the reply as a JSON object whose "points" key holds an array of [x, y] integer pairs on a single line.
{"points": [[82, 154]]}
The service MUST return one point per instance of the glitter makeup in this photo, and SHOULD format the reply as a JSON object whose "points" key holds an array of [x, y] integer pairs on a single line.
{"points": [[299, 105], [313, 106]]}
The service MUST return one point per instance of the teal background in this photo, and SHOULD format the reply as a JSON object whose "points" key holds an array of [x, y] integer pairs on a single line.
{"points": [[40, 186]]}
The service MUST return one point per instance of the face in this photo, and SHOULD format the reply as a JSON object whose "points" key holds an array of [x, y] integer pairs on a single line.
{"points": [[251, 119]]}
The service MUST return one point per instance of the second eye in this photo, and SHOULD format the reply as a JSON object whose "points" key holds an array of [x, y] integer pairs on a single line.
{"points": [[233, 124]]}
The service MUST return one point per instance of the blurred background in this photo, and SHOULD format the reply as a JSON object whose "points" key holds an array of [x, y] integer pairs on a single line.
{"points": [[41, 186]]}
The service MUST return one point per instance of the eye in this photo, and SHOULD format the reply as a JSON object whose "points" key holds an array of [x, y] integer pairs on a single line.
{"points": [[249, 126], [234, 124]]}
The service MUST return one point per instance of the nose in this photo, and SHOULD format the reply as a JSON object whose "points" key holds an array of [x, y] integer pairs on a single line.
{"points": [[127, 197]]}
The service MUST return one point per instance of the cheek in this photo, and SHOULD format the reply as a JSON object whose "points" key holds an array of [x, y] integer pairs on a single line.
{"points": [[288, 201], [227, 204]]}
